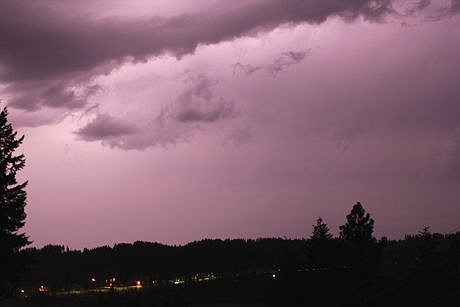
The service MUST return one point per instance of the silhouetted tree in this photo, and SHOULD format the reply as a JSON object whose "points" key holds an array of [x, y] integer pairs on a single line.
{"points": [[359, 226], [12, 202], [363, 250], [427, 255], [320, 231], [321, 248]]}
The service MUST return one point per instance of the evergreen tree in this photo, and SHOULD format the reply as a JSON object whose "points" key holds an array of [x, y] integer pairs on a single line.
{"points": [[359, 226], [12, 203], [320, 231], [427, 255], [363, 251], [320, 248]]}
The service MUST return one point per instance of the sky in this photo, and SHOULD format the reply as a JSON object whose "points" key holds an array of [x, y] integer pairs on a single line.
{"points": [[173, 121]]}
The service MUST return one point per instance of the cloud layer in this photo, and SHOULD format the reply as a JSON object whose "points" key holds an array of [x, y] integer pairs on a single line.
{"points": [[52, 53], [233, 118], [198, 104], [47, 52], [104, 127]]}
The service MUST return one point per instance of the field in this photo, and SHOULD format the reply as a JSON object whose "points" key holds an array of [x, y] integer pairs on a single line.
{"points": [[216, 293]]}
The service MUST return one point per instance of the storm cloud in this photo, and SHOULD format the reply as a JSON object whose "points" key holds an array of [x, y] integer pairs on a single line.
{"points": [[47, 50], [105, 126], [140, 104], [200, 104]]}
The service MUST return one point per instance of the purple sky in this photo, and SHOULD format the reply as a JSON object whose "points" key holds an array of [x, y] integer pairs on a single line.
{"points": [[173, 121]]}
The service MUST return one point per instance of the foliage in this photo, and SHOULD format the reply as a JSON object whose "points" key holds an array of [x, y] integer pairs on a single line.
{"points": [[320, 231], [322, 248], [12, 203], [362, 253], [62, 268], [427, 255], [245, 270], [359, 226]]}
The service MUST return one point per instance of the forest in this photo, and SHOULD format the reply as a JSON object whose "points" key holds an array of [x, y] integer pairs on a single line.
{"points": [[353, 269]]}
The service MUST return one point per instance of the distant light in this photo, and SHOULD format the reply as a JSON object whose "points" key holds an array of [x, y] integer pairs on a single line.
{"points": [[138, 283], [93, 279], [23, 291], [274, 275]]}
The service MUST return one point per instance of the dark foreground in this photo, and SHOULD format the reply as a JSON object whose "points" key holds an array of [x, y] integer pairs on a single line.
{"points": [[353, 269], [314, 288]]}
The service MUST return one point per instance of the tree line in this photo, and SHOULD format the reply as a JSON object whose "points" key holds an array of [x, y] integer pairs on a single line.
{"points": [[354, 250], [352, 269], [355, 255]]}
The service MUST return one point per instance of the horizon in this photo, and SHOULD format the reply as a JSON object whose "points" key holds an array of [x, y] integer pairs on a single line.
{"points": [[181, 244], [177, 121]]}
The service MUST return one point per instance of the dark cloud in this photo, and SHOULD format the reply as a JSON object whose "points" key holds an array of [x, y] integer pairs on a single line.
{"points": [[105, 126], [453, 8], [51, 48], [33, 95], [445, 10], [281, 62], [199, 103], [192, 114], [160, 131], [417, 6], [422, 4]]}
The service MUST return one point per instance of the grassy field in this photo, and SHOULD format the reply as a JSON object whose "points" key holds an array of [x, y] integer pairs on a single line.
{"points": [[215, 294]]}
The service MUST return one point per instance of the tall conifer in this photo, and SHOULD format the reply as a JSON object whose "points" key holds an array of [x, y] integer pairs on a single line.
{"points": [[12, 202]]}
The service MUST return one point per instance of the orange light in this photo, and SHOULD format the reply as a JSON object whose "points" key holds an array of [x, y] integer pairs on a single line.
{"points": [[138, 283]]}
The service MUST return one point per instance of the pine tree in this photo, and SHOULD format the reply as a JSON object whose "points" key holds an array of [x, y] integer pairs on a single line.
{"points": [[320, 231], [321, 247], [364, 253], [359, 226], [12, 203]]}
